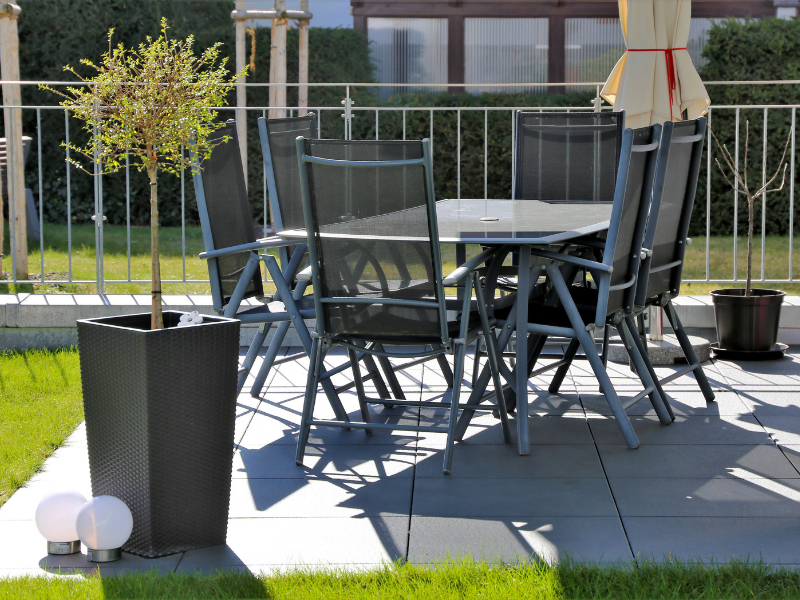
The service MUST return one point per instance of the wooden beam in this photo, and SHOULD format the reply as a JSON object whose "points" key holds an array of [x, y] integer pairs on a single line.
{"points": [[455, 52], [556, 55], [246, 15], [9, 70], [241, 90], [279, 28]]}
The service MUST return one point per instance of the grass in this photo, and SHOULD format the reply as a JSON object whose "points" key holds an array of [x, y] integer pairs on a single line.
{"points": [[40, 405], [453, 579], [115, 263]]}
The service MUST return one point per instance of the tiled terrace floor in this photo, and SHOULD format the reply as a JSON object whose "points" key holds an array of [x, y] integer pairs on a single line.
{"points": [[722, 481]]}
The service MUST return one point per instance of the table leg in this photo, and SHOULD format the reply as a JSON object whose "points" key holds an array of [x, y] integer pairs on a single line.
{"points": [[523, 283]]}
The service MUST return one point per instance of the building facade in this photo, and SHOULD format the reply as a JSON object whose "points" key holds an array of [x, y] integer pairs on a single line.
{"points": [[516, 41]]}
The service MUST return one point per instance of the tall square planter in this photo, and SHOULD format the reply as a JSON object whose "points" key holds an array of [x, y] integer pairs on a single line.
{"points": [[160, 411]]}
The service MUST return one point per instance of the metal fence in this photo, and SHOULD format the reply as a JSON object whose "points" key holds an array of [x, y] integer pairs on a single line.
{"points": [[348, 112]]}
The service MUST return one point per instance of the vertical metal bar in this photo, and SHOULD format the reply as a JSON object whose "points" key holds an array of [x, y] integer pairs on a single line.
{"points": [[513, 152], [101, 289], [377, 124], [485, 154], [764, 199], [128, 208], [404, 124], [266, 209], [41, 211], [431, 133], [69, 201], [791, 198], [736, 204], [708, 195], [183, 217], [96, 225], [458, 155]]}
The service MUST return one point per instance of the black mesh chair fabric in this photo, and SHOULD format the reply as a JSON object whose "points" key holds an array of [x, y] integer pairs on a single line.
{"points": [[281, 134], [374, 240], [229, 211], [567, 156], [632, 223], [675, 209]]}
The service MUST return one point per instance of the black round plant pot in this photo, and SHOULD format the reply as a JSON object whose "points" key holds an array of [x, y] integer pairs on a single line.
{"points": [[747, 323]]}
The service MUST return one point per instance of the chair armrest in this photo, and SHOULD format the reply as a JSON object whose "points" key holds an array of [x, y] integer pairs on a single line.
{"points": [[271, 242], [575, 260], [304, 275], [469, 266]]}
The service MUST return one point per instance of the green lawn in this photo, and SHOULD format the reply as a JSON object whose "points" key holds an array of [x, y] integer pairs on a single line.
{"points": [[56, 262], [40, 405], [460, 579]]}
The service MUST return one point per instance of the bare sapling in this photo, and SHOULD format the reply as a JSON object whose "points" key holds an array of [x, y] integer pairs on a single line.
{"points": [[743, 188], [149, 103]]}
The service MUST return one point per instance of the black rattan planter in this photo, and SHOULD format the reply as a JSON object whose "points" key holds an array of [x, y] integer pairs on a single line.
{"points": [[160, 411], [747, 323]]}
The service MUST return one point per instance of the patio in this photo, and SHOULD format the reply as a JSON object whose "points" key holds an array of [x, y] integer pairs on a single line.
{"points": [[721, 482]]}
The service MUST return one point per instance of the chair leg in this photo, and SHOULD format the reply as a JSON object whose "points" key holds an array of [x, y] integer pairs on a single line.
{"points": [[252, 354], [561, 372], [476, 362], [308, 400], [451, 426], [391, 377], [380, 384], [447, 372], [269, 358], [628, 339], [642, 347], [686, 346], [362, 397], [587, 343], [604, 356]]}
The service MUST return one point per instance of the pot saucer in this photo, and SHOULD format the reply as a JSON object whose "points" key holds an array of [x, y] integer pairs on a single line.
{"points": [[724, 354]]}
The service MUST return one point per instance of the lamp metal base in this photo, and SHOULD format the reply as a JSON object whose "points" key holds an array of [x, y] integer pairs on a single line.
{"points": [[64, 547], [102, 556]]}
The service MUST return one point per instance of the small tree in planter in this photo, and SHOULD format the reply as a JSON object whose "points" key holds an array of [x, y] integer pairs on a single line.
{"points": [[149, 103], [747, 320], [159, 400]]}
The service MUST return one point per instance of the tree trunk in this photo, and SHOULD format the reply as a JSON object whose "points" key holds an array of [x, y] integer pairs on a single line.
{"points": [[2, 230], [749, 246], [157, 320]]}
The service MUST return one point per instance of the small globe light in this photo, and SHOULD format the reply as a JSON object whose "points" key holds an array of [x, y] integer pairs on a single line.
{"points": [[55, 520], [104, 524]]}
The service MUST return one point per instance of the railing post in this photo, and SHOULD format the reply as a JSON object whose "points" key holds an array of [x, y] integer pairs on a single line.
{"points": [[241, 90]]}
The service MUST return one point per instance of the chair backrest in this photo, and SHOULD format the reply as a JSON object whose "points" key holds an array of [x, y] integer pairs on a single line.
{"points": [[370, 211], [626, 229], [280, 165], [567, 156], [225, 215], [675, 185]]}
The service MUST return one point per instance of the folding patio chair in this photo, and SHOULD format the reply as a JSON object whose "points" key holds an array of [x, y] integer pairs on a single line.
{"points": [[580, 310], [234, 261], [286, 204], [377, 270], [666, 240]]}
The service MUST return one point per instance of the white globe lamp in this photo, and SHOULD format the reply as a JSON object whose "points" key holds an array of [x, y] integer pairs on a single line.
{"points": [[55, 520], [104, 524]]}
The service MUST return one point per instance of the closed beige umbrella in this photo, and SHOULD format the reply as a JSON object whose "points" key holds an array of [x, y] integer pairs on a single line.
{"points": [[655, 80]]}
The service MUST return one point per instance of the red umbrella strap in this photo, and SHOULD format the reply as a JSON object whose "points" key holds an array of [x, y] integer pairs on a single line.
{"points": [[668, 57]]}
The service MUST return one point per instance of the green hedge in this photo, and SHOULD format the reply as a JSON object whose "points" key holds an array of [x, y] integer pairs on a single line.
{"points": [[768, 49]]}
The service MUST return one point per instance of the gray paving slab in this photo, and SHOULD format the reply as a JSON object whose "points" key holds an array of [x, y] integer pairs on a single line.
{"points": [[693, 460], [494, 461], [784, 403], [326, 496], [277, 461], [597, 539], [686, 403], [266, 544], [464, 497], [716, 429], [704, 539], [703, 497], [783, 430]]}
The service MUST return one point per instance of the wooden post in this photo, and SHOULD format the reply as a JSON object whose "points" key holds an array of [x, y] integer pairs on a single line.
{"points": [[241, 91], [280, 26], [302, 93], [9, 70]]}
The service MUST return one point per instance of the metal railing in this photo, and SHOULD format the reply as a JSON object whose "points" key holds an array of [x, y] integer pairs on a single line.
{"points": [[347, 117]]}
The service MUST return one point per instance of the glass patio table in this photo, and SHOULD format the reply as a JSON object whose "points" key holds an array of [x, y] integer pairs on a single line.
{"points": [[516, 225]]}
